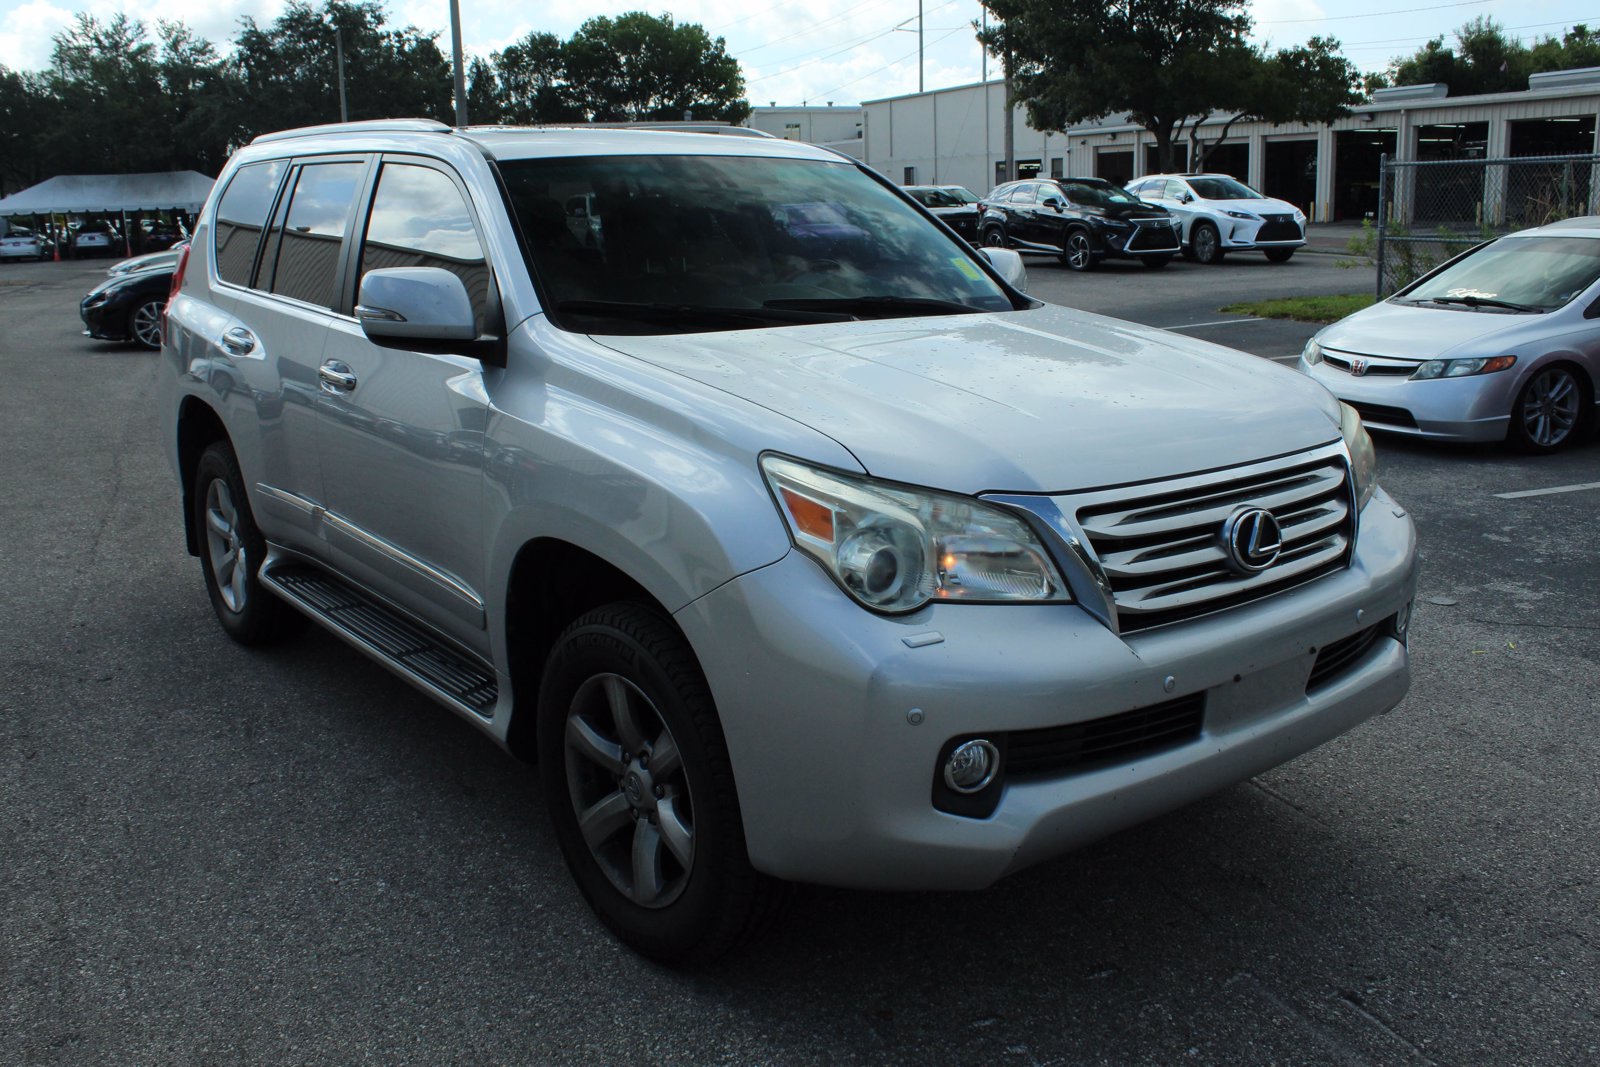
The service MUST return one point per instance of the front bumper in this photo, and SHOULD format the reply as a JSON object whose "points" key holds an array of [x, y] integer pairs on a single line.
{"points": [[835, 722], [1248, 235], [1149, 239], [105, 322], [1474, 408]]}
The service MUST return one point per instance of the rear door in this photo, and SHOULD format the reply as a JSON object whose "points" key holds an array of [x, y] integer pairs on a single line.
{"points": [[403, 430]]}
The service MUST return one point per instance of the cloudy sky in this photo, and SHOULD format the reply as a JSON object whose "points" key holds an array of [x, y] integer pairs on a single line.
{"points": [[794, 51]]}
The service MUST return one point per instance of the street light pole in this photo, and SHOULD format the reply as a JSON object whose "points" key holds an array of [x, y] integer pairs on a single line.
{"points": [[461, 74], [338, 44], [919, 46]]}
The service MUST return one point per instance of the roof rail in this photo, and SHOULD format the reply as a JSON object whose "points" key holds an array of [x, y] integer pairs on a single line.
{"points": [[687, 126], [366, 126]]}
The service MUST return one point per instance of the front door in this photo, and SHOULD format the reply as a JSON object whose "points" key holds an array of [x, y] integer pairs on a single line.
{"points": [[402, 430]]}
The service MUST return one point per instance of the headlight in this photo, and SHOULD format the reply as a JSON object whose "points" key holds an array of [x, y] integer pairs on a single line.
{"points": [[1299, 216], [894, 549], [1312, 353], [1461, 368], [1363, 457], [1242, 215], [1116, 224]]}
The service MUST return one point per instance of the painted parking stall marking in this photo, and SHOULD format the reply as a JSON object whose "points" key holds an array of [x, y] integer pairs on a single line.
{"points": [[1575, 488]]}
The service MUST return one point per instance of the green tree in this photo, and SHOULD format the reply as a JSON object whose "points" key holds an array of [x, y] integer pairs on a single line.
{"points": [[1578, 47], [638, 67], [531, 82], [26, 110], [289, 75], [1168, 64], [1482, 60]]}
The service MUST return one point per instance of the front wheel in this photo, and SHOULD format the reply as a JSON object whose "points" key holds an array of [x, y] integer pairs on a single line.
{"points": [[144, 323], [1279, 255], [640, 788], [1205, 243], [1079, 251], [1550, 412]]}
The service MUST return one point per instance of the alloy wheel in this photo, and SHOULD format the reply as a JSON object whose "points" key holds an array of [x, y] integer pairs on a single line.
{"points": [[1551, 405], [626, 781], [146, 324], [225, 547]]}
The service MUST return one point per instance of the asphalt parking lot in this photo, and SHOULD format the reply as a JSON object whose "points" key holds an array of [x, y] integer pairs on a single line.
{"points": [[212, 855]]}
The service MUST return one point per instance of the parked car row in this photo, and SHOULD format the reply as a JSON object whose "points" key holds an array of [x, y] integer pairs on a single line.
{"points": [[1085, 221]]}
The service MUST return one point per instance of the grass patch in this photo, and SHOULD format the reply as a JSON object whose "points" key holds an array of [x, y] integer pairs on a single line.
{"points": [[1304, 308]]}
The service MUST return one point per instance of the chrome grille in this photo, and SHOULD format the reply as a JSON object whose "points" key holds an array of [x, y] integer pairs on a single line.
{"points": [[1161, 545]]}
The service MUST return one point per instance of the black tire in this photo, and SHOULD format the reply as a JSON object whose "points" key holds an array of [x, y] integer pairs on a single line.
{"points": [[248, 612], [1155, 262], [685, 913], [1205, 244], [1279, 255], [994, 237], [144, 323], [1552, 411], [1078, 253]]}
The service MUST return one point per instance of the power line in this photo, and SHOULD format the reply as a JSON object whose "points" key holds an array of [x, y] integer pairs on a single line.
{"points": [[886, 66], [1376, 14]]}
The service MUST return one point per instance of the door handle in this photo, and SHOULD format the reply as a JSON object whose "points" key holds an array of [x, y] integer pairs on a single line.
{"points": [[336, 377], [238, 341]]}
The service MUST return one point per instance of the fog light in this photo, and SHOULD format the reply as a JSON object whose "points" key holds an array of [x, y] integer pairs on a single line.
{"points": [[1402, 621], [971, 766]]}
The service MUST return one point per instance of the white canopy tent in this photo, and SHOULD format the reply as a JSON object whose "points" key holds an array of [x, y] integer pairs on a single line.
{"points": [[109, 194]]}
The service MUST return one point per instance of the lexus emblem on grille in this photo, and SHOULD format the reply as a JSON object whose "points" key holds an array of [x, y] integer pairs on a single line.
{"points": [[1358, 366], [1254, 539]]}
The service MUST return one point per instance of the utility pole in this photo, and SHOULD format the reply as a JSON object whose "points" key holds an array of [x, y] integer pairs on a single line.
{"points": [[461, 74], [338, 44], [919, 47], [1011, 123]]}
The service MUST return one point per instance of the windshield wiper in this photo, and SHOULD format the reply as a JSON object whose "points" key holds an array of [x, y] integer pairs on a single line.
{"points": [[696, 314], [1483, 301], [882, 307]]}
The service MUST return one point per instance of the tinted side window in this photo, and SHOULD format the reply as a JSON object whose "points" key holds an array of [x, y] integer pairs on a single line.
{"points": [[319, 213], [419, 219], [1023, 195], [241, 216]]}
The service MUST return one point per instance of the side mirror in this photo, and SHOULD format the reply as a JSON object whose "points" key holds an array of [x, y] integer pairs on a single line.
{"points": [[1009, 263], [1185, 198], [415, 304], [1053, 202]]}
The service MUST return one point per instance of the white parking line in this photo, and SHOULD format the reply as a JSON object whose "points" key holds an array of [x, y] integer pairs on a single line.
{"points": [[1219, 322], [1579, 487]]}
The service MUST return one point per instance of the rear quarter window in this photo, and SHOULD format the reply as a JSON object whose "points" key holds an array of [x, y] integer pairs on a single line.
{"points": [[241, 218]]}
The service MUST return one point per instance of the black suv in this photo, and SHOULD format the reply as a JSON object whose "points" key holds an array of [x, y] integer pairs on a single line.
{"points": [[953, 205], [1082, 220]]}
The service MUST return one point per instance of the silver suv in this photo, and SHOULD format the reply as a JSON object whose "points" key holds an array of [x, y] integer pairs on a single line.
{"points": [[796, 541]]}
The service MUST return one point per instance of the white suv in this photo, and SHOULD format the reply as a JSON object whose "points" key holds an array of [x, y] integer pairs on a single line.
{"points": [[1219, 214], [795, 540]]}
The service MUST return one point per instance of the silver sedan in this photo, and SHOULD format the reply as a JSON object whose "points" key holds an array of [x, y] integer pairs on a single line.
{"points": [[1500, 344]]}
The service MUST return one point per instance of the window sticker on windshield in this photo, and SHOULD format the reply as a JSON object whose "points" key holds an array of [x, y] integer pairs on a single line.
{"points": [[965, 266], [1467, 291]]}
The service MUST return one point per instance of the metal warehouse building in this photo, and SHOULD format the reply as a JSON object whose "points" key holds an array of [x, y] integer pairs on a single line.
{"points": [[957, 136]]}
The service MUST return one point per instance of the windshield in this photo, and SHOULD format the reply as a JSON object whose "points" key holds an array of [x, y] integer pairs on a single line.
{"points": [[676, 243], [1222, 189], [1542, 273], [1097, 194]]}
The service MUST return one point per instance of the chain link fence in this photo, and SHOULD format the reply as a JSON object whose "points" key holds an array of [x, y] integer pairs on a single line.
{"points": [[1429, 211]]}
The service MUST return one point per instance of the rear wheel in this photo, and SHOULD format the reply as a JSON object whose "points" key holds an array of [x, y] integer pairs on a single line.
{"points": [[1205, 243], [1279, 255], [1551, 411], [640, 789], [994, 237], [231, 553]]}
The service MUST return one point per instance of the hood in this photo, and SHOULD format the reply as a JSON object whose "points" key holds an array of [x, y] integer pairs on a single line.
{"points": [[1140, 210], [1264, 205], [1043, 400], [1400, 331]]}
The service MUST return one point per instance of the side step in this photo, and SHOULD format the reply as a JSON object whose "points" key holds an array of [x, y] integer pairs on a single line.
{"points": [[426, 661]]}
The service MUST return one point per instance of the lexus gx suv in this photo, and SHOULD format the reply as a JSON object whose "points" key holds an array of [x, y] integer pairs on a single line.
{"points": [[778, 524]]}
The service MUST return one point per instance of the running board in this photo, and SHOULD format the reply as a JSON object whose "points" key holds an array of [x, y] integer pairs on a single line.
{"points": [[425, 661]]}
